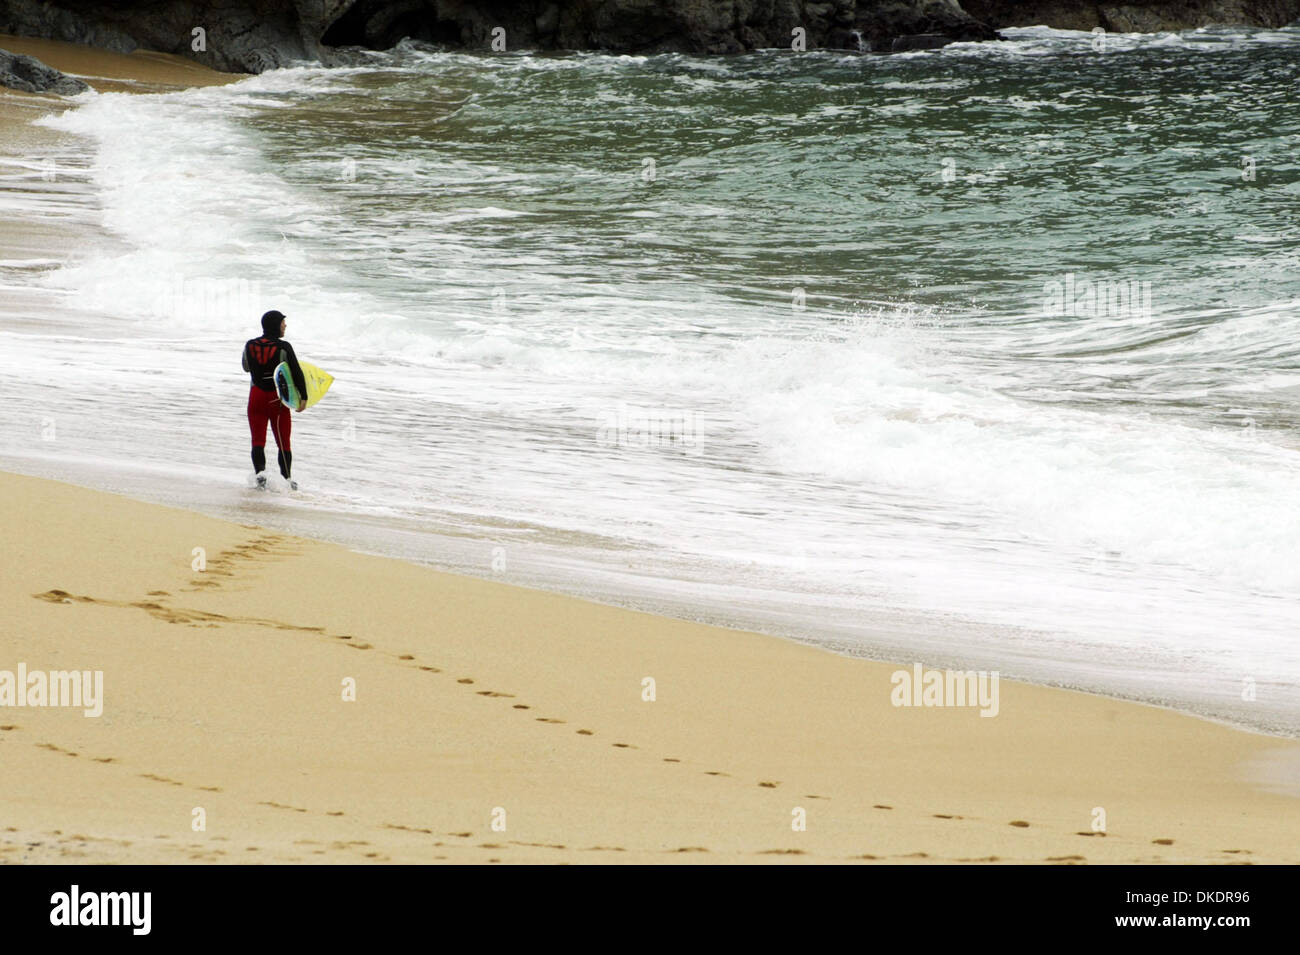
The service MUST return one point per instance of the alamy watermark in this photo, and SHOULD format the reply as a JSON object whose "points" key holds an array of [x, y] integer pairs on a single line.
{"points": [[75, 688], [74, 907], [205, 299], [635, 427], [1086, 298], [921, 687]]}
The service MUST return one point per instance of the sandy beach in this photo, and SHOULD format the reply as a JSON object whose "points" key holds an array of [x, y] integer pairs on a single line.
{"points": [[274, 699], [475, 701]]}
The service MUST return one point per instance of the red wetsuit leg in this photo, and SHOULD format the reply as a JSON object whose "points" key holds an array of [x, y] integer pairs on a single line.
{"points": [[257, 415]]}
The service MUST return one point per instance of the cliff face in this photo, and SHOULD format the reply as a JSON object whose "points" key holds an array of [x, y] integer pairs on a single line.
{"points": [[648, 26], [1134, 16], [255, 35]]}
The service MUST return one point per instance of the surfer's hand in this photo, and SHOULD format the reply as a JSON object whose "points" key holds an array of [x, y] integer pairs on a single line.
{"points": [[302, 403]]}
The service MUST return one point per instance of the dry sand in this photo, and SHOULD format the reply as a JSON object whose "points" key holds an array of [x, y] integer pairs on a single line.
{"points": [[477, 701], [224, 691]]}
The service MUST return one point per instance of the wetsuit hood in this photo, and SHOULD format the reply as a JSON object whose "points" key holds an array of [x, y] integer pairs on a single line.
{"points": [[271, 324]]}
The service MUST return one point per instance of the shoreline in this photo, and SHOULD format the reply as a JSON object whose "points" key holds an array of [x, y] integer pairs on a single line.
{"points": [[222, 692], [894, 634]]}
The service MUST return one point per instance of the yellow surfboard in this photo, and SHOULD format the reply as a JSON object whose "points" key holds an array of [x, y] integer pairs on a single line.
{"points": [[318, 382]]}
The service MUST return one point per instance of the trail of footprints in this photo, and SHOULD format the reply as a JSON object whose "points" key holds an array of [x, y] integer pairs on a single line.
{"points": [[338, 845], [221, 569]]}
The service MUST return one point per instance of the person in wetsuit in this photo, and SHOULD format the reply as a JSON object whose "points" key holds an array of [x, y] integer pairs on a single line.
{"points": [[262, 356]]}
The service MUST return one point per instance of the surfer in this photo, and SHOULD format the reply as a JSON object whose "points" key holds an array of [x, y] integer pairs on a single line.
{"points": [[262, 356]]}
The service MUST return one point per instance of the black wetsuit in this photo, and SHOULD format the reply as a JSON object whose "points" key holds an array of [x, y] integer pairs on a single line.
{"points": [[262, 355]]}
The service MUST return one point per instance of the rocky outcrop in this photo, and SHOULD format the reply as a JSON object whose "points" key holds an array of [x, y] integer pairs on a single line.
{"points": [[255, 35], [30, 75], [246, 36], [1136, 16], [652, 26]]}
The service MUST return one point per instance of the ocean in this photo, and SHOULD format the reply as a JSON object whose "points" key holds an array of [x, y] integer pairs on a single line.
{"points": [[985, 357]]}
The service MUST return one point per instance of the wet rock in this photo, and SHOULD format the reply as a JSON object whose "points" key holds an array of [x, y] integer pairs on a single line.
{"points": [[30, 75]]}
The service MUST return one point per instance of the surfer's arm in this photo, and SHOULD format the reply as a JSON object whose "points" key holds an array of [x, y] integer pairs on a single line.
{"points": [[243, 358], [295, 369]]}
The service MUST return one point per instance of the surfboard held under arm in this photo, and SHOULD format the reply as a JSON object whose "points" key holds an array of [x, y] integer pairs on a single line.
{"points": [[318, 382]]}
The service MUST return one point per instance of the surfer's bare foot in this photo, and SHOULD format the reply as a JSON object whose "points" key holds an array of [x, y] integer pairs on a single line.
{"points": [[261, 482]]}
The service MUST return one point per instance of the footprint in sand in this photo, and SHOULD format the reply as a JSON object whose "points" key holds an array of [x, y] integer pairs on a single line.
{"points": [[1066, 859], [160, 779], [1162, 842], [464, 679], [782, 852], [768, 785], [671, 759], [878, 806], [280, 805], [522, 706], [493, 693], [401, 828], [406, 656], [1102, 834], [939, 815], [547, 719], [57, 597], [1019, 823], [580, 732]]}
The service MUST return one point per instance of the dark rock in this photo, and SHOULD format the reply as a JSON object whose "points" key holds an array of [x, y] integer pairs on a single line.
{"points": [[650, 26], [1135, 16], [919, 41], [30, 75], [255, 35]]}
